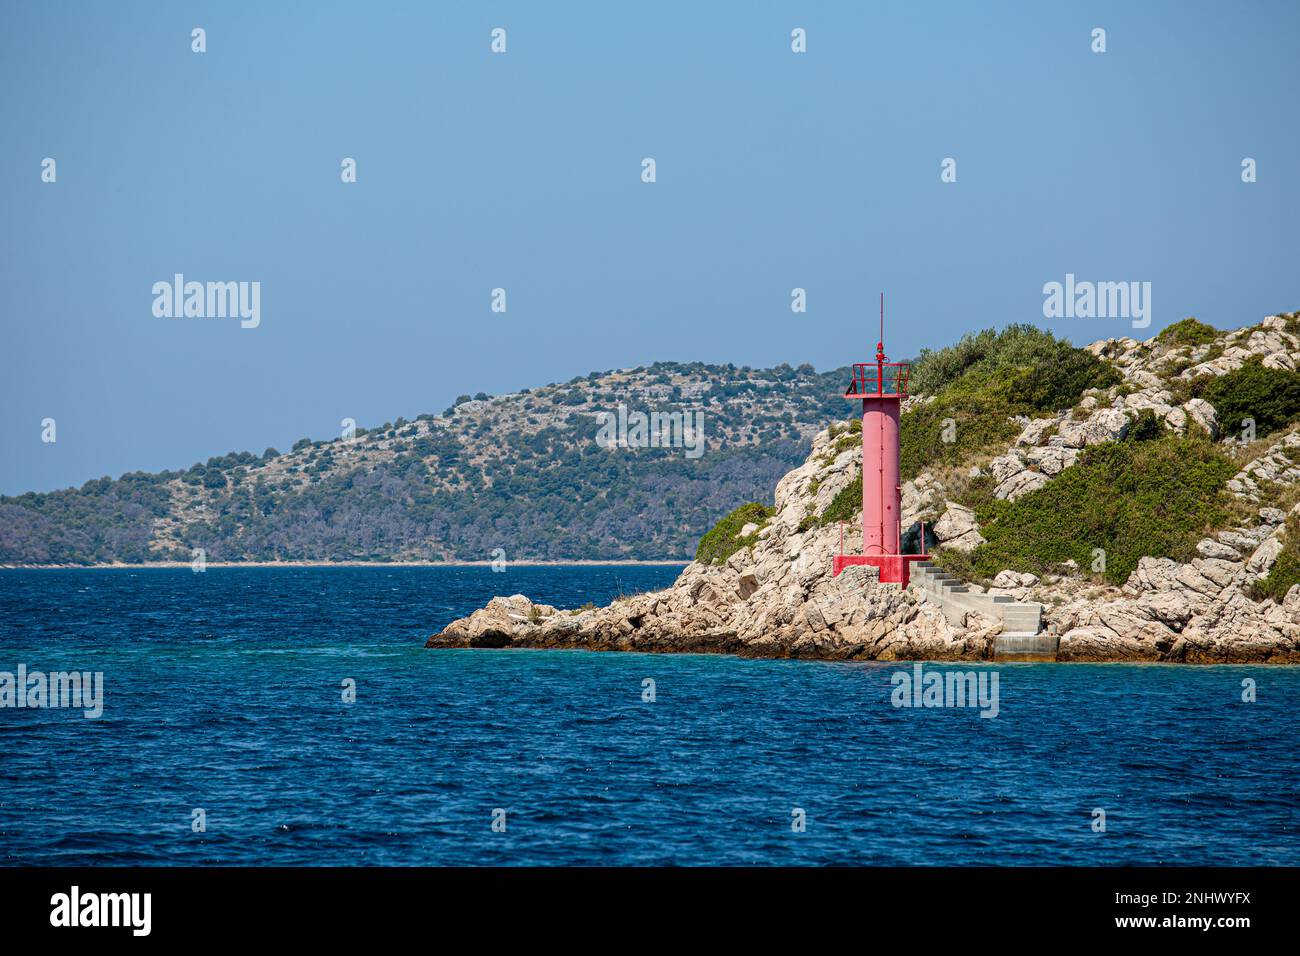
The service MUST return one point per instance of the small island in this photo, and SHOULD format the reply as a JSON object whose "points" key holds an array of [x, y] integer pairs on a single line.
{"points": [[1145, 495]]}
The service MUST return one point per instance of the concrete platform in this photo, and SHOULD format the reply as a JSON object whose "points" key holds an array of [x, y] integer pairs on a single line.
{"points": [[1021, 637]]}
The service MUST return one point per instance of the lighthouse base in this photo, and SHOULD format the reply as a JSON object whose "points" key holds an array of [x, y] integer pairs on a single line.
{"points": [[894, 568]]}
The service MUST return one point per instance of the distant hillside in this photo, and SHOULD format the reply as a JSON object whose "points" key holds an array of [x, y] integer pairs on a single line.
{"points": [[521, 472]]}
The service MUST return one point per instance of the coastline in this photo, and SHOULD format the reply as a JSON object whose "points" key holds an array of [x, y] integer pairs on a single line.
{"points": [[895, 626], [771, 588]]}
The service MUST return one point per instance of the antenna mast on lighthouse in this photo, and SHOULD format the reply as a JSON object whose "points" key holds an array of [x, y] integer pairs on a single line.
{"points": [[880, 345]]}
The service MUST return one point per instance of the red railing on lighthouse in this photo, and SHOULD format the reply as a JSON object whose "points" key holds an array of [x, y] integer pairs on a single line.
{"points": [[878, 378]]}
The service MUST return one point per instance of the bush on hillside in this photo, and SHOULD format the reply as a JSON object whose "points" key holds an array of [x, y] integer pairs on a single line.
{"points": [[1271, 396], [983, 380], [1146, 427], [1188, 332], [1038, 368], [723, 539], [1155, 497], [953, 428]]}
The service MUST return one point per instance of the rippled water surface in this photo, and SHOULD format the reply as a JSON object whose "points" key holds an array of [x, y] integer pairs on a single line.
{"points": [[223, 691]]}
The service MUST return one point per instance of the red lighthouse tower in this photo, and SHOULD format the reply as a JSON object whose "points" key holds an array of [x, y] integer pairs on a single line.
{"points": [[881, 386]]}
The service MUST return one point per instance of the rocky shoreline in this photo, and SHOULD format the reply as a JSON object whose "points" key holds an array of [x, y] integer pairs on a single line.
{"points": [[775, 597], [779, 600], [854, 618]]}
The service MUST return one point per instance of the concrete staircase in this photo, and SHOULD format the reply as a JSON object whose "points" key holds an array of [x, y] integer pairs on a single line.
{"points": [[1021, 620]]}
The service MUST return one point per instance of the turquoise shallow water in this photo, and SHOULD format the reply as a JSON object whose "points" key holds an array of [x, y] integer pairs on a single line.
{"points": [[223, 691]]}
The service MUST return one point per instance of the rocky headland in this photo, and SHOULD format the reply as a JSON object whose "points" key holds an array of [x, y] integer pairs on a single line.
{"points": [[773, 594]]}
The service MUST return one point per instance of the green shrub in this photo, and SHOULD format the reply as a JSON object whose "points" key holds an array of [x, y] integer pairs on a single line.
{"points": [[1188, 332], [1146, 427], [1156, 497], [981, 382], [958, 563], [723, 539], [980, 422], [1038, 369], [1270, 396]]}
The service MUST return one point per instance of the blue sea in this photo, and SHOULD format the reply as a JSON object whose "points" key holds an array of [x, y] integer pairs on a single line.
{"points": [[224, 693]]}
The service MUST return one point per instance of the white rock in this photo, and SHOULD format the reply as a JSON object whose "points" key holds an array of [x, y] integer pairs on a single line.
{"points": [[1019, 484], [1264, 556], [1209, 548], [1007, 579], [1202, 412], [1176, 419], [1109, 424], [957, 528], [1272, 515], [1053, 459], [1033, 432]]}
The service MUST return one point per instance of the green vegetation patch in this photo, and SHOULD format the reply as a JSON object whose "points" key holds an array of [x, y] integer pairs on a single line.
{"points": [[1146, 427], [967, 418], [723, 539], [981, 382], [1131, 498], [843, 507], [1270, 396], [1188, 332], [1061, 372]]}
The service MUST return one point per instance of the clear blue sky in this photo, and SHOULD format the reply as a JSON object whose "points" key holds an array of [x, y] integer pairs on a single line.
{"points": [[522, 171]]}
